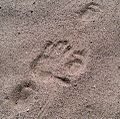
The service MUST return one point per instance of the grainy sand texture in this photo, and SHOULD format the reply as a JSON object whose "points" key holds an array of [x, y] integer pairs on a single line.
{"points": [[59, 59]]}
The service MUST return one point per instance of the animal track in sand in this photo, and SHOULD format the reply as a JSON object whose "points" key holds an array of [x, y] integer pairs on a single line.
{"points": [[21, 97], [61, 56], [89, 12], [77, 62], [22, 91], [89, 6]]}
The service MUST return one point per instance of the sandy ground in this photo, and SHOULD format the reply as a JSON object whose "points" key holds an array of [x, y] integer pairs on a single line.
{"points": [[59, 59]]}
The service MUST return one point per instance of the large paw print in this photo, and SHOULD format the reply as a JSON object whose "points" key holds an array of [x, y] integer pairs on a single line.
{"points": [[49, 60], [61, 59]]}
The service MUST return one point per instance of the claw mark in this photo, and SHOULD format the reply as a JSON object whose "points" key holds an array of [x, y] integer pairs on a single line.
{"points": [[82, 52], [67, 49], [57, 49], [62, 42], [65, 42], [63, 79], [48, 44], [78, 61], [94, 10], [86, 7], [35, 61]]}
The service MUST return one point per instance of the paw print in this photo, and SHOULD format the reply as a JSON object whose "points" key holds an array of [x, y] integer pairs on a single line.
{"points": [[76, 62], [28, 95], [22, 91], [90, 11], [22, 95], [62, 59], [51, 55]]}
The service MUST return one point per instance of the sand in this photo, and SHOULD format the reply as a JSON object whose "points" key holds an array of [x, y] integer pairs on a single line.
{"points": [[60, 59]]}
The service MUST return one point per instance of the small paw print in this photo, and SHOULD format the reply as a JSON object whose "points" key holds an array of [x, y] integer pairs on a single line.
{"points": [[21, 96]]}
